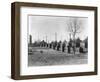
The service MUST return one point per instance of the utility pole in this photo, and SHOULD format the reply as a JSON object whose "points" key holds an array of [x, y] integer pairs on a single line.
{"points": [[43, 37], [46, 38], [61, 37], [38, 36], [55, 36], [30, 39]]}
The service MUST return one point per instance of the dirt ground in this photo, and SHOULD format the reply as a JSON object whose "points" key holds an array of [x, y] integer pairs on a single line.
{"points": [[47, 57]]}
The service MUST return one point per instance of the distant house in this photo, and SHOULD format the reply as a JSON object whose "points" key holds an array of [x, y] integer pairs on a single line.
{"points": [[84, 45], [43, 43], [80, 46], [86, 42], [77, 45], [78, 41]]}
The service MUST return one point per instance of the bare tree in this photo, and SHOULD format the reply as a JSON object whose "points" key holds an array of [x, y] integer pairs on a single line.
{"points": [[74, 26]]}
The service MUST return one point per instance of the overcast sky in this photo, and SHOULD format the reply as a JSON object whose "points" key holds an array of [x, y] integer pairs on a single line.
{"points": [[42, 26]]}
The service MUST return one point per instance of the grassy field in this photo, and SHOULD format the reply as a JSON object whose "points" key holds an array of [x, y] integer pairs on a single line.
{"points": [[47, 57]]}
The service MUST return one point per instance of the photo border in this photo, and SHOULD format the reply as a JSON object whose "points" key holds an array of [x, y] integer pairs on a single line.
{"points": [[15, 39]]}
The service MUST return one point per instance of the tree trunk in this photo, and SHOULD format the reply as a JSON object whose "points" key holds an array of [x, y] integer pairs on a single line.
{"points": [[74, 43]]}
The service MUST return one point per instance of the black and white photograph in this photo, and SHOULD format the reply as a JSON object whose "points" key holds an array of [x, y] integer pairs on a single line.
{"points": [[53, 40], [57, 40]]}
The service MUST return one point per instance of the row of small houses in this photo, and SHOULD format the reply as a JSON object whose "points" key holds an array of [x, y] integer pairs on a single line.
{"points": [[78, 45]]}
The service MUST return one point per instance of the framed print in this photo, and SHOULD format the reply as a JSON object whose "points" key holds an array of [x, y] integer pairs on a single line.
{"points": [[53, 40]]}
